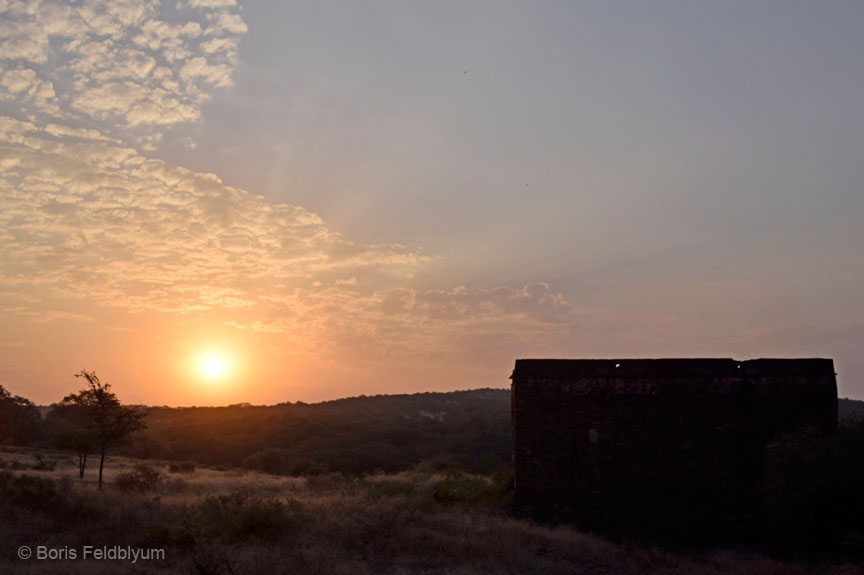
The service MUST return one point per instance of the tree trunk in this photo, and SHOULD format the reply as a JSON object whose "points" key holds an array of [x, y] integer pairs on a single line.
{"points": [[101, 465], [82, 463]]}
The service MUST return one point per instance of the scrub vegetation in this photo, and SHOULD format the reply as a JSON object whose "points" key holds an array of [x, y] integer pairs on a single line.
{"points": [[212, 521]]}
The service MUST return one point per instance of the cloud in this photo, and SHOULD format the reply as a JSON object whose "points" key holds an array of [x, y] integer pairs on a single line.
{"points": [[217, 75], [129, 68], [24, 85], [211, 3], [226, 22], [536, 301], [88, 216], [92, 224], [89, 225], [18, 80]]}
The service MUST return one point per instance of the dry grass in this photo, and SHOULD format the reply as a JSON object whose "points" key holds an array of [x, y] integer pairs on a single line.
{"points": [[213, 521]]}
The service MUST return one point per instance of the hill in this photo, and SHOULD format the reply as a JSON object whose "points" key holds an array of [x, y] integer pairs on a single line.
{"points": [[850, 410], [469, 430]]}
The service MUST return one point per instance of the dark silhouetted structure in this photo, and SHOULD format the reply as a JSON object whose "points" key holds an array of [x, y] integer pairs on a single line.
{"points": [[658, 446]]}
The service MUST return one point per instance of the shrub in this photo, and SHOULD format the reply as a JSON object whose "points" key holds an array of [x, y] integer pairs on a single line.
{"points": [[174, 485], [43, 464], [29, 492], [443, 462], [306, 466], [461, 488], [181, 467], [274, 461], [214, 558], [327, 482], [241, 516], [388, 487], [143, 479]]}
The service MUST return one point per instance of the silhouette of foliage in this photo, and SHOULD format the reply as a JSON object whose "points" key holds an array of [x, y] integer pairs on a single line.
{"points": [[181, 467], [143, 478], [19, 419], [68, 426], [98, 419]]}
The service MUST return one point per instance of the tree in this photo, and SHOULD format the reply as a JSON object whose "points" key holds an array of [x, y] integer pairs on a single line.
{"points": [[19, 418], [98, 411], [68, 427]]}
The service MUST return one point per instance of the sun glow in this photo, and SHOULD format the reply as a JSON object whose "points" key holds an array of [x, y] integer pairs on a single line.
{"points": [[213, 365]]}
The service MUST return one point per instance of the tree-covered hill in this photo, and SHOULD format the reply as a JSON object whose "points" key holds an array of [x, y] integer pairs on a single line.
{"points": [[850, 410], [465, 429]]}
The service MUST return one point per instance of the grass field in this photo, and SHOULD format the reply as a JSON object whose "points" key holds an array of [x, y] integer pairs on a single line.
{"points": [[226, 521]]}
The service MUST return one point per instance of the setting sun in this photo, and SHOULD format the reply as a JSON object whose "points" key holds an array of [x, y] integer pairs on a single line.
{"points": [[213, 365]]}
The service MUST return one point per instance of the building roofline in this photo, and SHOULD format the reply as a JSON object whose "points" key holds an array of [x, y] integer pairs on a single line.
{"points": [[672, 368]]}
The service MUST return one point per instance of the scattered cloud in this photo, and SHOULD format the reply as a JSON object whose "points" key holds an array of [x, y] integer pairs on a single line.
{"points": [[89, 224], [90, 221], [211, 3], [24, 85], [536, 301], [129, 69]]}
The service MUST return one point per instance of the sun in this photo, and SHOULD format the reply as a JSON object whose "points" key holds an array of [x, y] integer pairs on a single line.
{"points": [[213, 365]]}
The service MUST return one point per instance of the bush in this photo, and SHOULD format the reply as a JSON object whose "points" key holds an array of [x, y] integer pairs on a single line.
{"points": [[306, 466], [181, 467], [378, 487], [43, 464], [173, 485], [443, 462], [324, 482], [241, 516], [274, 461], [461, 488], [143, 479], [29, 492]]}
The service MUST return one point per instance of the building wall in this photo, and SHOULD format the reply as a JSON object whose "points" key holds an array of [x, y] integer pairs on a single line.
{"points": [[656, 444]]}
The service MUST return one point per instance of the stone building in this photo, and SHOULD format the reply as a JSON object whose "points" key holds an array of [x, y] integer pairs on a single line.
{"points": [[674, 446]]}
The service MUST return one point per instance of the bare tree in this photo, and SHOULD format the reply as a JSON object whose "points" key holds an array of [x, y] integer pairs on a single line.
{"points": [[98, 419]]}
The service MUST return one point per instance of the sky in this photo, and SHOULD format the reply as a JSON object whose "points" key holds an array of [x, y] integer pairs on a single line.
{"points": [[210, 202]]}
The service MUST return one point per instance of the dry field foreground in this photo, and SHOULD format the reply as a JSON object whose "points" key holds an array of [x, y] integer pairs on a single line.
{"points": [[211, 522]]}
